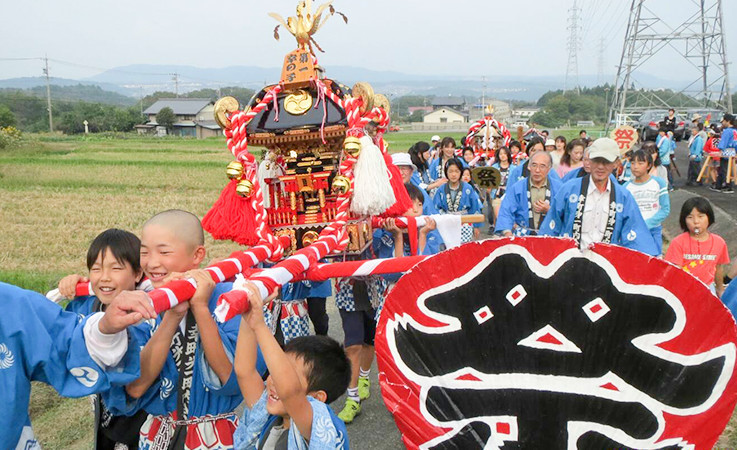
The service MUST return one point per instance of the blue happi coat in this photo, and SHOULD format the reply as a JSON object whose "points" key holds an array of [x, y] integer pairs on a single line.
{"points": [[516, 173], [41, 342], [304, 289], [729, 297], [383, 244], [328, 431], [428, 208], [207, 394], [573, 174], [436, 170], [515, 208], [629, 229], [469, 204]]}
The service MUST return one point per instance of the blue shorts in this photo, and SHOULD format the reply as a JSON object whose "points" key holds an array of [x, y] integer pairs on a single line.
{"points": [[359, 327]]}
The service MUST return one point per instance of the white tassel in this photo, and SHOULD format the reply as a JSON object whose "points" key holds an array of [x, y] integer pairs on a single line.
{"points": [[268, 169], [372, 190]]}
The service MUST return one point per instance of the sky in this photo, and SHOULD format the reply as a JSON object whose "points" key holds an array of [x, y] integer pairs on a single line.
{"points": [[460, 38]]}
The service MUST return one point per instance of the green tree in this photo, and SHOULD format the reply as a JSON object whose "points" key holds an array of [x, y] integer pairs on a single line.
{"points": [[416, 116], [166, 118], [7, 118]]}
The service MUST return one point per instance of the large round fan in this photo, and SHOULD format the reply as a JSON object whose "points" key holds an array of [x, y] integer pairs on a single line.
{"points": [[530, 343]]}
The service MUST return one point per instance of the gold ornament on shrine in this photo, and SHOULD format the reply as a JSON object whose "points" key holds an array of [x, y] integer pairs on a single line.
{"points": [[341, 185], [222, 108], [352, 146], [244, 188], [365, 92], [234, 170], [309, 237], [298, 103], [305, 24]]}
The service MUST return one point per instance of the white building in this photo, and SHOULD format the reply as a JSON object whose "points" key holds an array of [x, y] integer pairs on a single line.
{"points": [[445, 115]]}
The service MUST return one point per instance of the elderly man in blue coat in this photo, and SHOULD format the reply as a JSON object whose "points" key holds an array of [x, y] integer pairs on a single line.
{"points": [[527, 202], [595, 208]]}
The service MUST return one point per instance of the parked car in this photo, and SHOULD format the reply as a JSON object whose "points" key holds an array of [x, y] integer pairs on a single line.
{"points": [[716, 114], [649, 124]]}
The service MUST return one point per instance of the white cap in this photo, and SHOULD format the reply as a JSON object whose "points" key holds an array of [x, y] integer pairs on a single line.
{"points": [[604, 148], [550, 143], [435, 138], [403, 159]]}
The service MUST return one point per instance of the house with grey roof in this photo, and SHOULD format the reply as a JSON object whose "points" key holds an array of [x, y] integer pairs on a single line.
{"points": [[457, 103], [195, 117]]}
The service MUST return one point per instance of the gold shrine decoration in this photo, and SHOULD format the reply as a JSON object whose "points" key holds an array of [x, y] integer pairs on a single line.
{"points": [[298, 103], [365, 92], [382, 102], [305, 24], [222, 108]]}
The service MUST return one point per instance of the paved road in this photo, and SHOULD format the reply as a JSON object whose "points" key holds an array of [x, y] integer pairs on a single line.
{"points": [[375, 428]]}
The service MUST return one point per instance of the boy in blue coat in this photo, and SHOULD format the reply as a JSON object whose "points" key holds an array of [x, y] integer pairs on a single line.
{"points": [[527, 202], [187, 383], [596, 208], [113, 261], [76, 356], [390, 242], [695, 154], [290, 411]]}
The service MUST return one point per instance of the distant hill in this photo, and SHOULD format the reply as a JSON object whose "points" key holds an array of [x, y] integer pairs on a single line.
{"points": [[30, 82], [145, 79], [84, 93]]}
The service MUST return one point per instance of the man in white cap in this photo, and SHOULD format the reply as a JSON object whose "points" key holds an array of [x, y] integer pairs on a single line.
{"points": [[404, 163], [434, 143], [595, 208]]}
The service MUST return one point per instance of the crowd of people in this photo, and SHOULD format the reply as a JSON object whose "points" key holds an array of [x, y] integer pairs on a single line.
{"points": [[182, 389], [591, 191]]}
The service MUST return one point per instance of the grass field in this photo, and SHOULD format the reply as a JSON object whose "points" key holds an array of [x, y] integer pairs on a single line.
{"points": [[57, 194]]}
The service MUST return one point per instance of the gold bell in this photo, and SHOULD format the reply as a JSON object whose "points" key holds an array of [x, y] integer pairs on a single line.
{"points": [[234, 170], [309, 237], [352, 146], [244, 188], [341, 184]]}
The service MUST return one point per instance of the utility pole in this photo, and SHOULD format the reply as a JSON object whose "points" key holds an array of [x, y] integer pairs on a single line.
{"points": [[175, 78], [48, 94], [699, 44], [573, 46], [483, 97]]}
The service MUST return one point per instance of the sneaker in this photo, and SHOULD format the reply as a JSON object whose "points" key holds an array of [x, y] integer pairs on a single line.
{"points": [[364, 388], [727, 190], [351, 409], [714, 188]]}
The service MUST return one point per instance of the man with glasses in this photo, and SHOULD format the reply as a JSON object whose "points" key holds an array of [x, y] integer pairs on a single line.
{"points": [[527, 202], [595, 208]]}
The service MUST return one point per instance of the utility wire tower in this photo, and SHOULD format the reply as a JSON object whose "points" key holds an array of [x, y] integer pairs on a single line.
{"points": [[48, 93], [600, 61], [699, 42], [175, 79], [574, 44]]}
